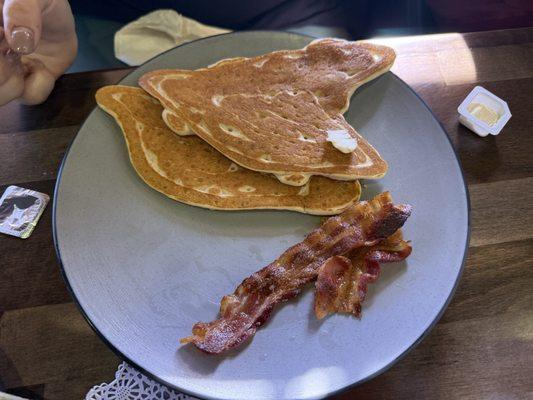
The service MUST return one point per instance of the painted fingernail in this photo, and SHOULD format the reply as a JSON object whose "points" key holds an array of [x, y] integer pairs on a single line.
{"points": [[22, 40]]}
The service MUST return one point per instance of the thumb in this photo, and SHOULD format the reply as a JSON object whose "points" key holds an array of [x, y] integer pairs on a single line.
{"points": [[22, 24]]}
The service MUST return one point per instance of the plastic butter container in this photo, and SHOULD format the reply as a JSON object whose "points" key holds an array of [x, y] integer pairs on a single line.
{"points": [[483, 112]]}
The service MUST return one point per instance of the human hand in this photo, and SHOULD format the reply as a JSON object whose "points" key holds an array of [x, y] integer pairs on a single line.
{"points": [[37, 44]]}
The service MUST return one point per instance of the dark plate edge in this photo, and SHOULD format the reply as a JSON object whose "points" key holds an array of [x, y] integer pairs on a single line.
{"points": [[346, 388]]}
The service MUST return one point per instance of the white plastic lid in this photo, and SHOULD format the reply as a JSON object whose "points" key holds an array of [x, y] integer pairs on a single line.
{"points": [[482, 96]]}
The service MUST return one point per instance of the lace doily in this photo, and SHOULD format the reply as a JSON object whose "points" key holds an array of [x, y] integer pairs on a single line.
{"points": [[130, 384]]}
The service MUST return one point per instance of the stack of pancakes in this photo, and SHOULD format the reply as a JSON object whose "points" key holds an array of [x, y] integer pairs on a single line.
{"points": [[251, 133]]}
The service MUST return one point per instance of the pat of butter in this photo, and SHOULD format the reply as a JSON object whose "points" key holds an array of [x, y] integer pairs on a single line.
{"points": [[483, 113], [342, 141]]}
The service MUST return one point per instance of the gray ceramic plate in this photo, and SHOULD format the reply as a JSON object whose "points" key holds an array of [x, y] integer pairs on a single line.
{"points": [[144, 268]]}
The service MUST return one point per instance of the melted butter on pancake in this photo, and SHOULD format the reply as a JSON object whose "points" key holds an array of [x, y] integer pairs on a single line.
{"points": [[342, 140]]}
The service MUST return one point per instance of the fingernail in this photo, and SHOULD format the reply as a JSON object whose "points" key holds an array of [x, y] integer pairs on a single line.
{"points": [[22, 40]]}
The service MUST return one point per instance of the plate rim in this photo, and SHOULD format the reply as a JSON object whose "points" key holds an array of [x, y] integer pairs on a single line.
{"points": [[386, 367]]}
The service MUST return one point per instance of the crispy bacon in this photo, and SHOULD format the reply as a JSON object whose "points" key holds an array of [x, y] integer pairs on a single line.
{"points": [[364, 224], [341, 283]]}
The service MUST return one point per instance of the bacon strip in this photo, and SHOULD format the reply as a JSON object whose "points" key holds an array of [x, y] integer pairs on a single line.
{"points": [[364, 224], [341, 283]]}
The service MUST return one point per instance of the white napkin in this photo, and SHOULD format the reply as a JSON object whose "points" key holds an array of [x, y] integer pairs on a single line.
{"points": [[156, 32]]}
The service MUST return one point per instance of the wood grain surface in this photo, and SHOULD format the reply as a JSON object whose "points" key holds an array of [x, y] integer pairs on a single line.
{"points": [[482, 348]]}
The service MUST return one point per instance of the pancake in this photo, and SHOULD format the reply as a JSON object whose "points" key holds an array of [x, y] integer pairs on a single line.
{"points": [[259, 111], [332, 69], [189, 170]]}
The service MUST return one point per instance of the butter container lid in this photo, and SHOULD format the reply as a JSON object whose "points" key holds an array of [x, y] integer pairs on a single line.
{"points": [[483, 112]]}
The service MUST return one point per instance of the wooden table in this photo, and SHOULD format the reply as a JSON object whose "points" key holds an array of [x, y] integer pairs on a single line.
{"points": [[482, 348]]}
